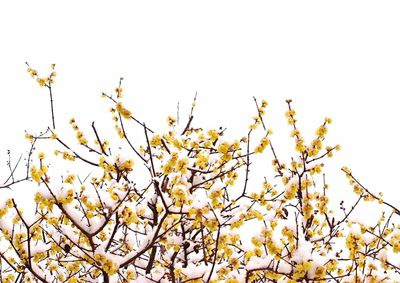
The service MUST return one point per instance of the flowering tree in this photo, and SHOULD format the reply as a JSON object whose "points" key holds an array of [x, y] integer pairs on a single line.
{"points": [[175, 209]]}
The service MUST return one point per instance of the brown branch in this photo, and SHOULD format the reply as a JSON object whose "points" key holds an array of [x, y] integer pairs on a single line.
{"points": [[98, 139]]}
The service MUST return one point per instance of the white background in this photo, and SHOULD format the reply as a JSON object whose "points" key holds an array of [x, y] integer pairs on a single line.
{"points": [[339, 59]]}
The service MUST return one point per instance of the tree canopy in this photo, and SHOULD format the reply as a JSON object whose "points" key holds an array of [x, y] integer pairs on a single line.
{"points": [[176, 206]]}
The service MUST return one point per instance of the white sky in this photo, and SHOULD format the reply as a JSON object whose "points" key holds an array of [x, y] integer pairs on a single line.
{"points": [[339, 59]]}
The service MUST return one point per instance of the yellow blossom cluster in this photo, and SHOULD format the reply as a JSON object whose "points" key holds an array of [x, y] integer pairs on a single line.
{"points": [[79, 134], [108, 265], [260, 113], [37, 174], [263, 144], [43, 81], [354, 242], [65, 155], [123, 111]]}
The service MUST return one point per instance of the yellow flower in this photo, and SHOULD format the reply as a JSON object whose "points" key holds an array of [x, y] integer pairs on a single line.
{"points": [[3, 211], [179, 195], [291, 191], [155, 141], [119, 91], [171, 121], [82, 140], [223, 147], [332, 265], [213, 134], [41, 81], [182, 164], [32, 72], [320, 272], [127, 165], [69, 179], [29, 137], [300, 147], [264, 103], [263, 144], [123, 111], [321, 131], [36, 174]]}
